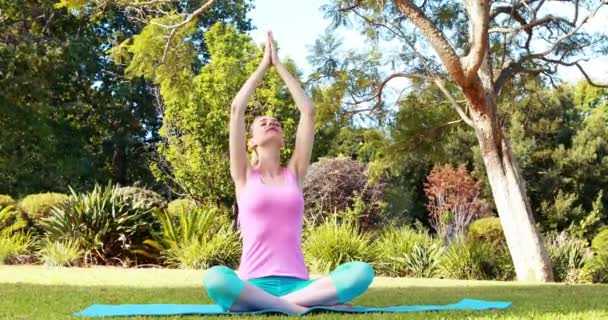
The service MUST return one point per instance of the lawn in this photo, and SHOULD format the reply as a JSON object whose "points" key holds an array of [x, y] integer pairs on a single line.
{"points": [[34, 292]]}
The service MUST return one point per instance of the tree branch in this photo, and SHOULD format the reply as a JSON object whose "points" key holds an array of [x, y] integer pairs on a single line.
{"points": [[588, 78], [463, 115], [511, 10], [351, 7], [173, 29], [515, 67], [380, 88], [147, 3], [398, 33], [565, 36], [478, 35], [193, 15], [527, 27], [436, 38]]}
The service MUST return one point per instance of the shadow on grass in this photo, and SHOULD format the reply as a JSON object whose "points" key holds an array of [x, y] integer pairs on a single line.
{"points": [[25, 301]]}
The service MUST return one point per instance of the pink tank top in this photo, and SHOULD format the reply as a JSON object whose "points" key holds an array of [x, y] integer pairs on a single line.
{"points": [[270, 219]]}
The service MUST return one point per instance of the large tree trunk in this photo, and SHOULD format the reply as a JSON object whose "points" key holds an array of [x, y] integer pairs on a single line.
{"points": [[508, 188]]}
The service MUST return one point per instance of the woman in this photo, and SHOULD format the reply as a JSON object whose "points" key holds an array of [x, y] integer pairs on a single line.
{"points": [[272, 274]]}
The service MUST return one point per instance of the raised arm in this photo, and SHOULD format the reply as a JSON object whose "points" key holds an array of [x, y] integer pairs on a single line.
{"points": [[239, 163], [305, 133]]}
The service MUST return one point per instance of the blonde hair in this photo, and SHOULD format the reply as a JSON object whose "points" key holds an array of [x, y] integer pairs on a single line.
{"points": [[254, 153]]}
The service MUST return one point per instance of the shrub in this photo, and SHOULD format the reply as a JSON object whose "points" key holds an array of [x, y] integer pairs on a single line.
{"points": [[469, 259], [423, 261], [454, 201], [406, 252], [6, 201], [178, 205], [195, 240], [568, 256], [600, 242], [103, 222], [13, 240], [334, 185], [142, 198], [39, 206], [330, 244], [597, 267], [60, 253], [489, 230]]}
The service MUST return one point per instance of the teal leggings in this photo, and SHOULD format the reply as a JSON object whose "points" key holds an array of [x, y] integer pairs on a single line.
{"points": [[224, 286]]}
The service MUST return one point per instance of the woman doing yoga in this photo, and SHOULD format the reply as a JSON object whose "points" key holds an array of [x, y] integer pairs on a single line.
{"points": [[272, 273]]}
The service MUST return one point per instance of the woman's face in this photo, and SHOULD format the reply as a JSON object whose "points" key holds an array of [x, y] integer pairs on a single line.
{"points": [[266, 130]]}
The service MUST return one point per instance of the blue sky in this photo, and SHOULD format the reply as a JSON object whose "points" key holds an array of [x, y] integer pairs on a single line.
{"points": [[297, 24]]}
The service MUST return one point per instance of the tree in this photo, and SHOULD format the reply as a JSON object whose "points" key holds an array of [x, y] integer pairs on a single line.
{"points": [[488, 46], [196, 108], [69, 114]]}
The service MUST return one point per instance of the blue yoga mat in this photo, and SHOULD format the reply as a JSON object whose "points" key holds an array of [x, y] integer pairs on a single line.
{"points": [[125, 310]]}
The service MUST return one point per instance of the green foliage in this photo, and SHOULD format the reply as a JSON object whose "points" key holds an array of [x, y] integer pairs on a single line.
{"points": [[469, 259], [104, 223], [142, 198], [60, 253], [600, 242], [569, 256], [71, 4], [6, 200], [332, 243], [197, 112], [196, 239], [74, 118], [489, 230], [39, 206], [180, 205], [585, 227], [562, 210], [149, 45], [597, 268], [407, 252], [13, 240]]}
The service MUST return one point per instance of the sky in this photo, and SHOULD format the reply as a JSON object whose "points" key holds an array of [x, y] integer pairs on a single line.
{"points": [[297, 24]]}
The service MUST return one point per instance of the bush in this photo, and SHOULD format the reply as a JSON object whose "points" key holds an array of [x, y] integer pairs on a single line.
{"points": [[60, 253], [469, 259], [597, 268], [142, 198], [13, 240], [600, 242], [569, 256], [105, 224], [178, 205], [332, 243], [39, 206], [489, 230], [197, 239], [406, 252], [334, 185], [6, 201], [454, 201]]}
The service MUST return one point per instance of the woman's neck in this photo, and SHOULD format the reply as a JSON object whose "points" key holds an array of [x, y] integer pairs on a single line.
{"points": [[269, 162]]}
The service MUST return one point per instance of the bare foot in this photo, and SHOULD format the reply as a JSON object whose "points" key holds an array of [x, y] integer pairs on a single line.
{"points": [[298, 310]]}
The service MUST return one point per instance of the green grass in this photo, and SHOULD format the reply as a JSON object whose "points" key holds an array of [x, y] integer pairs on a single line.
{"points": [[32, 292]]}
